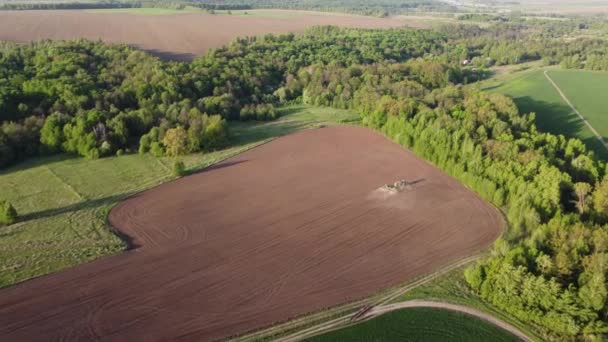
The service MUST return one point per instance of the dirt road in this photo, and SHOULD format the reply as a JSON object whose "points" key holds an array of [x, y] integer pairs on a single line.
{"points": [[383, 309], [380, 310], [453, 307]]}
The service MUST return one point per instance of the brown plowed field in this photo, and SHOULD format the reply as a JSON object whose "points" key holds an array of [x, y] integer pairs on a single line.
{"points": [[179, 36], [287, 228]]}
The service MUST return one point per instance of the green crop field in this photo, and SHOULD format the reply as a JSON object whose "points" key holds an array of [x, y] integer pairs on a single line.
{"points": [[587, 91], [532, 92], [420, 324], [63, 201]]}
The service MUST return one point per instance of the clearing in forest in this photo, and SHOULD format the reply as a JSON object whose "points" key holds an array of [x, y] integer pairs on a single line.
{"points": [[287, 228]]}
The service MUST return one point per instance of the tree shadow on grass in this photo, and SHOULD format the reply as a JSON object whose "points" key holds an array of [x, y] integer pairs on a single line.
{"points": [[218, 166], [84, 205], [109, 202], [559, 118], [37, 162], [169, 56], [244, 133]]}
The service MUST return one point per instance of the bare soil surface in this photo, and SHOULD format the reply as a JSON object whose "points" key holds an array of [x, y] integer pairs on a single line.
{"points": [[178, 37], [288, 228]]}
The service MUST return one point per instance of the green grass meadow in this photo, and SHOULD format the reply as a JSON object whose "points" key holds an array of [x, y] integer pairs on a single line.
{"points": [[588, 92], [532, 92], [421, 325], [63, 201]]}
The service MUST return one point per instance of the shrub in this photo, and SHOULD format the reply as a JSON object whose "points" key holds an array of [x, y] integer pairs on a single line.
{"points": [[179, 169], [105, 149], [157, 149], [176, 141], [8, 214], [120, 152]]}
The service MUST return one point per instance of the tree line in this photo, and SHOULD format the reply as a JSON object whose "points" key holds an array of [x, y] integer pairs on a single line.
{"points": [[550, 267], [92, 99], [96, 100]]}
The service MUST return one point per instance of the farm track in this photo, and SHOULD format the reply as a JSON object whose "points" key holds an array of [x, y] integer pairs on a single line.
{"points": [[379, 310], [383, 309], [565, 98], [288, 228], [344, 315]]}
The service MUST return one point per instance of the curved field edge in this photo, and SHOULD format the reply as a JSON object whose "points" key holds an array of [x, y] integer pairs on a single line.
{"points": [[63, 201], [444, 285], [473, 224], [89, 196], [184, 214], [428, 321]]}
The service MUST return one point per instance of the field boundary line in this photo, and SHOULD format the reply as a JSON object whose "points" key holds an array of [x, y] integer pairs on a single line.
{"points": [[65, 183], [380, 310], [377, 301], [563, 96]]}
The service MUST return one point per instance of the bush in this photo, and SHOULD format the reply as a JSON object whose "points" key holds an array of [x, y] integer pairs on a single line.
{"points": [[8, 214], [179, 169], [176, 142], [120, 152], [157, 149]]}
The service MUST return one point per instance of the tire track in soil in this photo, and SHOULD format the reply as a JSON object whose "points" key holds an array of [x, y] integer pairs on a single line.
{"points": [[264, 239]]}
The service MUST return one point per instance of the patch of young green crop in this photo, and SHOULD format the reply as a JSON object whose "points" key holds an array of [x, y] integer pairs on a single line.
{"points": [[532, 92], [586, 91], [63, 201], [420, 324]]}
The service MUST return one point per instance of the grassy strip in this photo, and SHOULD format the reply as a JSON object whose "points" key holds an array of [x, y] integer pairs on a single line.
{"points": [[452, 288]]}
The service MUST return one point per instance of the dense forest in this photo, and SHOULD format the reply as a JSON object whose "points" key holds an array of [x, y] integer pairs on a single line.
{"points": [[95, 100], [549, 269]]}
